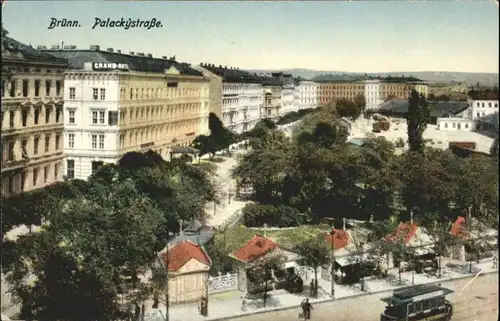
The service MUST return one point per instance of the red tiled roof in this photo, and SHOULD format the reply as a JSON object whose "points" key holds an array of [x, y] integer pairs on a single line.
{"points": [[404, 230], [339, 239], [457, 229], [181, 253], [257, 247]]}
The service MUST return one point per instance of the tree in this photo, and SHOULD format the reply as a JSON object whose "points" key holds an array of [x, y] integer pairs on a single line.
{"points": [[263, 267], [205, 144], [347, 108], [316, 252], [76, 261], [360, 102], [222, 138], [417, 120], [494, 149]]}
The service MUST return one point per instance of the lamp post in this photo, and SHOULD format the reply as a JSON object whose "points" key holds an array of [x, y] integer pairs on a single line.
{"points": [[332, 285], [167, 299]]}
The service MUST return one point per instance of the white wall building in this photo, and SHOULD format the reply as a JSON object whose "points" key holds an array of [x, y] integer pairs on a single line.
{"points": [[241, 104], [476, 117], [90, 121], [373, 96], [307, 94], [288, 100]]}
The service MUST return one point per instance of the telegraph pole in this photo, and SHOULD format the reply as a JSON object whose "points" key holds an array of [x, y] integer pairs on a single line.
{"points": [[167, 299]]}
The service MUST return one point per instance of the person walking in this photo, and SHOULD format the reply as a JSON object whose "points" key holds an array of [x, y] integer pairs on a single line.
{"points": [[308, 308], [303, 306]]}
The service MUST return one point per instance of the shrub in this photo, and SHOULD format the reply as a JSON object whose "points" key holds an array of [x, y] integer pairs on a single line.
{"points": [[400, 143], [256, 215]]}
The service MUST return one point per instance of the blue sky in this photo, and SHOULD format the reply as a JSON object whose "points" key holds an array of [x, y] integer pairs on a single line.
{"points": [[360, 36]]}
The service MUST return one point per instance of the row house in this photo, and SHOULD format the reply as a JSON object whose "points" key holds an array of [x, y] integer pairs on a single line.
{"points": [[242, 97], [117, 103], [306, 95], [272, 98], [31, 117]]}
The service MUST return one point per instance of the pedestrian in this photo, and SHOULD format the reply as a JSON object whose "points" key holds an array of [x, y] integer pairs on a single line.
{"points": [[308, 308], [303, 306], [495, 262]]}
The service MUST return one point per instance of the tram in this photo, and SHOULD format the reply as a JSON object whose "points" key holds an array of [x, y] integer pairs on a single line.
{"points": [[416, 303]]}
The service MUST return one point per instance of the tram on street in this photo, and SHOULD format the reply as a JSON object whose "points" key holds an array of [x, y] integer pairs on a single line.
{"points": [[420, 302]]}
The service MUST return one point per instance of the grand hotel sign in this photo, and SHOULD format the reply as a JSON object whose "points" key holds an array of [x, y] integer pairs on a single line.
{"points": [[105, 66]]}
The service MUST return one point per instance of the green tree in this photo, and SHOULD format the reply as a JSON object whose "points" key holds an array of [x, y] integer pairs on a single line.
{"points": [[262, 270], [316, 252], [360, 102], [347, 108], [417, 120], [221, 136], [205, 144]]}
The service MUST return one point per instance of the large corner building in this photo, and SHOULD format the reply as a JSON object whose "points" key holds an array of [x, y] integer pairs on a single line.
{"points": [[31, 118], [117, 103]]}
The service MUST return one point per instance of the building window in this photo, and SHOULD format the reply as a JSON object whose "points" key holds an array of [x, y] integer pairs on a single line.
{"points": [[95, 93], [103, 93], [71, 116], [478, 115], [37, 87], [482, 104], [23, 180], [58, 114], [94, 141], [71, 140], [37, 115], [70, 168], [94, 117], [101, 141], [48, 84], [102, 116], [35, 176], [25, 88], [489, 105], [113, 118], [47, 115], [47, 143], [24, 148], [11, 184], [445, 125], [24, 117], [96, 165], [3, 87], [58, 139], [12, 88], [45, 174], [10, 156], [466, 125], [72, 93], [56, 172], [58, 88], [35, 145]]}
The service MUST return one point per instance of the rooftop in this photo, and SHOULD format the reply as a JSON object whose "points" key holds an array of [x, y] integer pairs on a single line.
{"points": [[339, 239], [142, 63], [406, 231], [181, 253], [438, 108], [457, 229], [345, 78], [232, 74], [254, 249], [14, 49]]}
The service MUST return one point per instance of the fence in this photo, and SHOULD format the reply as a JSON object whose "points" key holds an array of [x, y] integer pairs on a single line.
{"points": [[231, 220], [222, 283]]}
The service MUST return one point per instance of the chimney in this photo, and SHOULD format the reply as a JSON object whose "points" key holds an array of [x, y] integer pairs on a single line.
{"points": [[164, 57], [131, 53], [118, 51], [140, 54], [371, 218], [150, 55], [54, 47], [94, 47], [41, 47], [109, 50]]}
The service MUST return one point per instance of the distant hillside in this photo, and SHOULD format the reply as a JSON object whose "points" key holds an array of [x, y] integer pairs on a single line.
{"points": [[470, 78]]}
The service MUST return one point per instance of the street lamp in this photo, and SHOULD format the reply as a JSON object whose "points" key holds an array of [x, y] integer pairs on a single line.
{"points": [[332, 289]]}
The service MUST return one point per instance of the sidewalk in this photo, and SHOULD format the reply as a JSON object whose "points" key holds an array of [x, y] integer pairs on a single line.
{"points": [[281, 300]]}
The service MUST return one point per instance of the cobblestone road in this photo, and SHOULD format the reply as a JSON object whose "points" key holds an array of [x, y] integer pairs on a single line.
{"points": [[476, 302]]}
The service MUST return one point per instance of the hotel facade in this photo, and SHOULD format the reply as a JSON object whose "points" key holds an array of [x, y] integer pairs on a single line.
{"points": [[31, 118], [118, 103]]}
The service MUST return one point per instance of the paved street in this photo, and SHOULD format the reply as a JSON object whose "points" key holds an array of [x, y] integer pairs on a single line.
{"points": [[477, 302]]}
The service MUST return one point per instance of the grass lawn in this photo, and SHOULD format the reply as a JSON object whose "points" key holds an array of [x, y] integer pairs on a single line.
{"points": [[237, 235]]}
